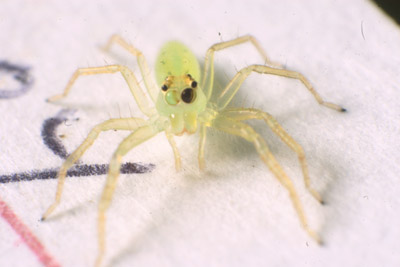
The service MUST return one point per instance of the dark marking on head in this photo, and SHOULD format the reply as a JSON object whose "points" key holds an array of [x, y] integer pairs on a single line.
{"points": [[164, 87], [194, 84]]}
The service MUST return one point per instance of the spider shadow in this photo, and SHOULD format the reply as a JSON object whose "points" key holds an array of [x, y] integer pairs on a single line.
{"points": [[332, 187], [79, 208], [326, 169], [237, 148], [159, 218]]}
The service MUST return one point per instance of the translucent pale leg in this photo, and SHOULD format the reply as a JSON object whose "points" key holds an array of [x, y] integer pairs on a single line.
{"points": [[139, 136], [234, 85], [245, 131], [113, 124], [177, 156], [144, 68], [240, 114], [208, 78], [202, 143], [137, 92]]}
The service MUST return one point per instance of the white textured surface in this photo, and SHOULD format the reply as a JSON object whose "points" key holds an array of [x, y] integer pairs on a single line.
{"points": [[235, 214]]}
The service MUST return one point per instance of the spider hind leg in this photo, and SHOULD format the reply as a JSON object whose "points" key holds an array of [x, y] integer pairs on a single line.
{"points": [[241, 114], [243, 130]]}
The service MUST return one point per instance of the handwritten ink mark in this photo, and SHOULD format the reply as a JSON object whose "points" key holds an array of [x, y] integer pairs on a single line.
{"points": [[77, 170], [20, 74], [51, 140], [49, 132], [26, 236]]}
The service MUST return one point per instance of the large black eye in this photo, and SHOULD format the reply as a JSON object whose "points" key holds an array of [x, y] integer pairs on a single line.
{"points": [[187, 95], [164, 87]]}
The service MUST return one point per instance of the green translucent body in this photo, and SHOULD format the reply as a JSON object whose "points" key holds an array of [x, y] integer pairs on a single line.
{"points": [[176, 59], [179, 65]]}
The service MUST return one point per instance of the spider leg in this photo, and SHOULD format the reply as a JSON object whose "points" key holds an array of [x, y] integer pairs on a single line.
{"points": [[113, 124], [234, 85], [137, 137], [208, 78], [240, 114], [144, 68], [202, 142], [128, 75], [243, 130], [177, 156]]}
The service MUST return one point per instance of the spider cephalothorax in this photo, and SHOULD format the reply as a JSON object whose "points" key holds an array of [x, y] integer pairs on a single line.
{"points": [[181, 100]]}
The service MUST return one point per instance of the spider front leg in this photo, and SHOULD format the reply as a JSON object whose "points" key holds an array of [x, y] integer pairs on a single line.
{"points": [[234, 85], [177, 156], [113, 124], [240, 114], [128, 75], [202, 142], [243, 130], [144, 68], [137, 137], [208, 78]]}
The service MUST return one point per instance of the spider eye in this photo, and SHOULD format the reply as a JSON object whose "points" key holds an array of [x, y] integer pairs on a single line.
{"points": [[164, 87], [194, 84], [171, 97], [187, 95]]}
